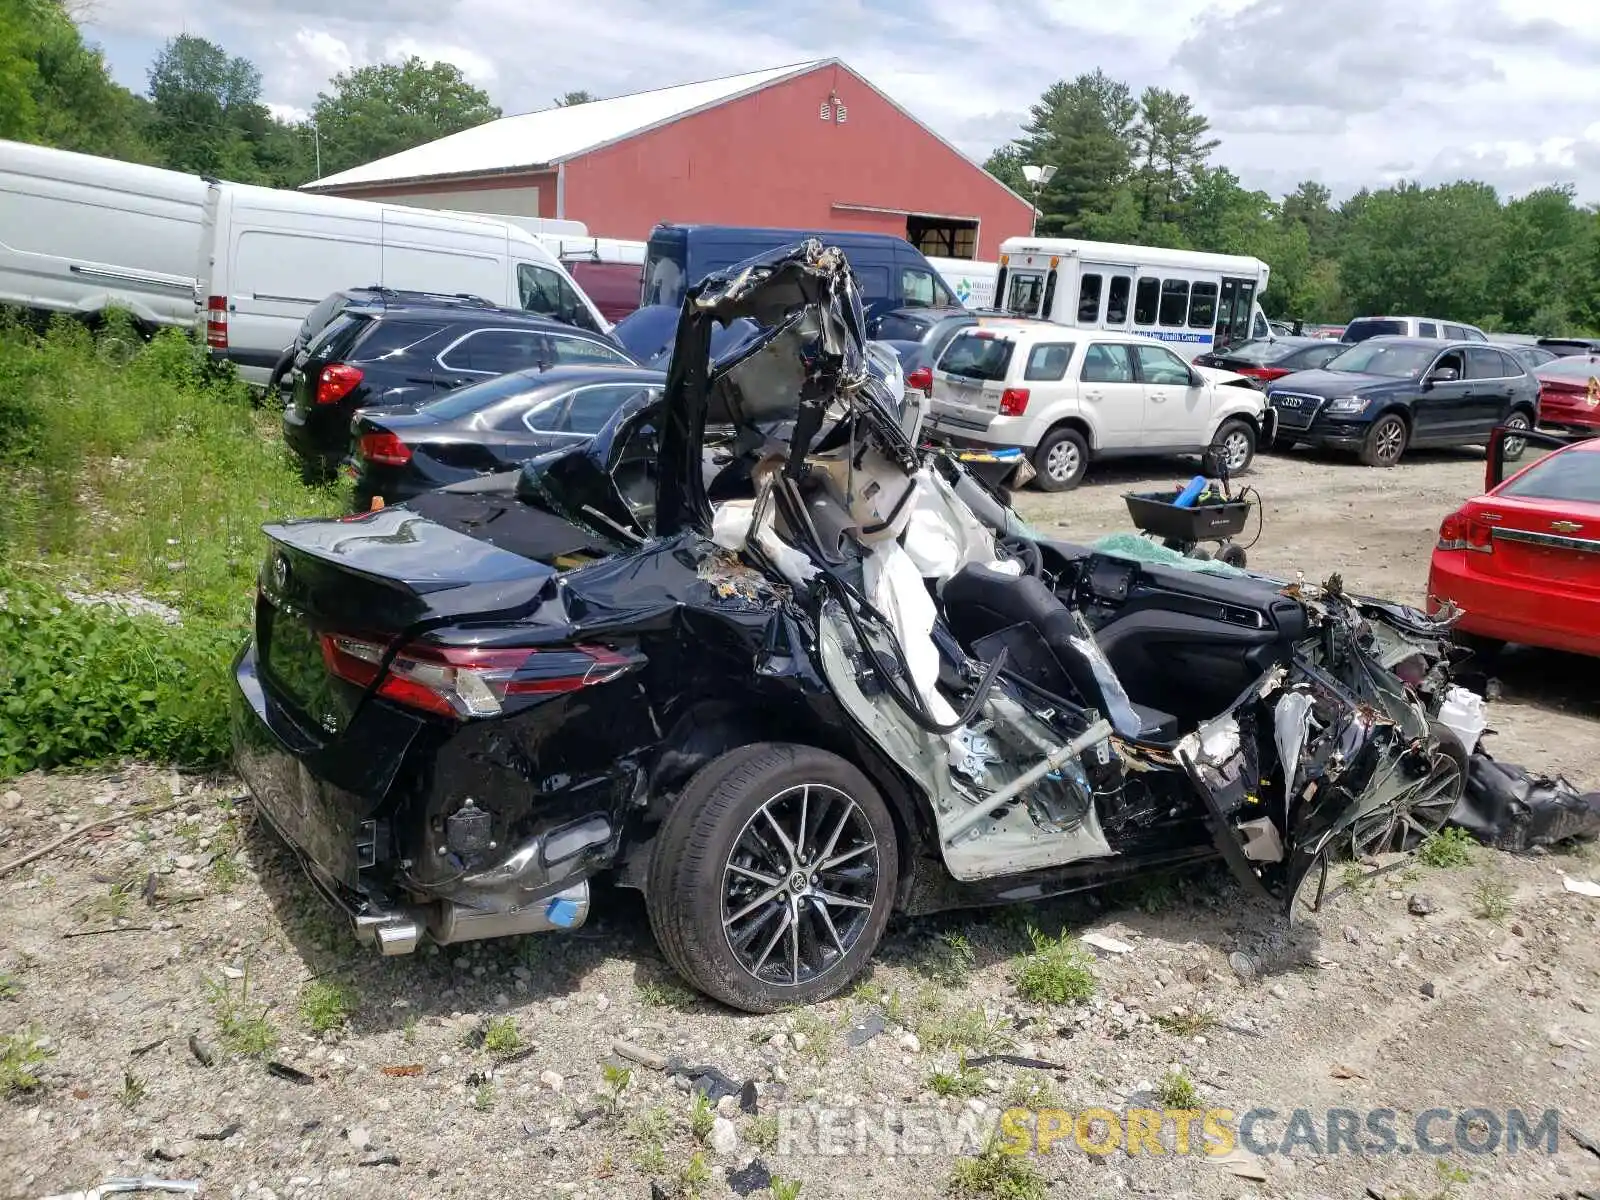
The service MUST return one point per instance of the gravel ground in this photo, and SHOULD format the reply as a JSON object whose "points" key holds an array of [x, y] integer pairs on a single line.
{"points": [[481, 1070]]}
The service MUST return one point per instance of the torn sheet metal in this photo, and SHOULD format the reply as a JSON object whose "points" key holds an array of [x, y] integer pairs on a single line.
{"points": [[1510, 808]]}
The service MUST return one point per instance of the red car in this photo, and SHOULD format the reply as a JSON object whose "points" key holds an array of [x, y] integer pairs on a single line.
{"points": [[1569, 393], [1523, 560]]}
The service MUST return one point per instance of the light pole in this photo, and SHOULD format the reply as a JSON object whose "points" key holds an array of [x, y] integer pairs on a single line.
{"points": [[1037, 177]]}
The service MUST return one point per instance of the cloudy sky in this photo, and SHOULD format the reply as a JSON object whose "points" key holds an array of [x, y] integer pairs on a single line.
{"points": [[1349, 92]]}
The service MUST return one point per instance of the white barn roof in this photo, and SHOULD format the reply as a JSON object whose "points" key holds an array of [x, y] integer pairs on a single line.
{"points": [[553, 135]]}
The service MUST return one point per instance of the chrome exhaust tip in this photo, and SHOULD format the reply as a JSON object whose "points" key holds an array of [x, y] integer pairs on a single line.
{"points": [[398, 937]]}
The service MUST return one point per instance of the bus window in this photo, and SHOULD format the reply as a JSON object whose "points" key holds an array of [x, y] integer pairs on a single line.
{"points": [[1024, 293], [1089, 300], [1145, 299], [1203, 306], [1174, 302], [1117, 300]]}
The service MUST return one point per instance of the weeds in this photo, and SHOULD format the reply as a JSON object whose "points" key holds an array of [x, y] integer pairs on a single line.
{"points": [[817, 1032], [1186, 1024], [651, 1129], [408, 1031], [22, 1054], [1450, 847], [664, 993], [963, 1082], [1057, 972], [152, 478], [1176, 1090], [1491, 898], [995, 1175], [501, 1037], [483, 1098], [763, 1133], [947, 960], [326, 1006], [1031, 1094], [702, 1115], [785, 1189], [245, 1030], [1357, 879], [694, 1177], [965, 1029], [226, 871], [617, 1080], [133, 1091], [10, 987]]}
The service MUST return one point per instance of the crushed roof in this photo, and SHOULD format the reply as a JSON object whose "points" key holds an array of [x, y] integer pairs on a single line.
{"points": [[553, 135]]}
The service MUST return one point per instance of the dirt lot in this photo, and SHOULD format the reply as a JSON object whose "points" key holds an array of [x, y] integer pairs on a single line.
{"points": [[1416, 988]]}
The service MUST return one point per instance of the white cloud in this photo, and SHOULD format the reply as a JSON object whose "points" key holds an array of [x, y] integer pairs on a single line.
{"points": [[1354, 93]]}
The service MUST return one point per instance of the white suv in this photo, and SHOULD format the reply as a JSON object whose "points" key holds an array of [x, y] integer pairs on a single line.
{"points": [[1069, 395]]}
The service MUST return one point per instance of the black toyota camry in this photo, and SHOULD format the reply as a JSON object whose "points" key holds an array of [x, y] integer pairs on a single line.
{"points": [[794, 675]]}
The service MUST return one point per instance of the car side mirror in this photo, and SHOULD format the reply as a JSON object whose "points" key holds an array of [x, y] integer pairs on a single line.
{"points": [[1443, 375], [1196, 379]]}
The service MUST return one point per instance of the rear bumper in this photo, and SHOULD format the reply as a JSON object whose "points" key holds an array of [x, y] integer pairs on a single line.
{"points": [[319, 435], [1507, 610]]}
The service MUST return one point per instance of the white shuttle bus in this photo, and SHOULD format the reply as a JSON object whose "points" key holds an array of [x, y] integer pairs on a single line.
{"points": [[1194, 302]]}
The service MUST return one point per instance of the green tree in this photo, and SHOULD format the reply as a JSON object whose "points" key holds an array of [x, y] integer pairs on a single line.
{"points": [[1083, 129], [1171, 146], [1005, 164], [207, 112], [568, 99], [376, 111], [56, 90]]}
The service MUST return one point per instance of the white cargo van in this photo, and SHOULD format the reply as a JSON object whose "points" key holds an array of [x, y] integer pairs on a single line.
{"points": [[80, 234], [1194, 302], [268, 256], [971, 281]]}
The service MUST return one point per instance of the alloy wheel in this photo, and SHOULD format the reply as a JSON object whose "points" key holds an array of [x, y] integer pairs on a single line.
{"points": [[1513, 445], [799, 884], [1391, 438], [1236, 450], [1062, 462], [1413, 815]]}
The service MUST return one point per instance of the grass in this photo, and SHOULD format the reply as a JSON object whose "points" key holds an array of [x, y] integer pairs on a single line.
{"points": [[1491, 898], [1450, 847], [243, 1027], [133, 1091], [995, 1175], [1185, 1024], [651, 1129], [817, 1032], [483, 1097], [1058, 971], [501, 1037], [22, 1054], [946, 960], [1176, 1090], [10, 987], [326, 1006], [664, 993], [763, 1133], [151, 478], [695, 1177], [964, 1029], [702, 1115], [962, 1082], [785, 1189], [617, 1080], [1031, 1094], [1357, 879]]}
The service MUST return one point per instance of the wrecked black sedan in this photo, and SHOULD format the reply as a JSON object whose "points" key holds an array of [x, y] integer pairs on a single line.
{"points": [[795, 676]]}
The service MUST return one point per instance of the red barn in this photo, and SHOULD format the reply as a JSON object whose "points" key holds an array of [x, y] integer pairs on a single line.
{"points": [[810, 146]]}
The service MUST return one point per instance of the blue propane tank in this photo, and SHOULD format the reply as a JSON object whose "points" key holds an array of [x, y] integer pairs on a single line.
{"points": [[1191, 492]]}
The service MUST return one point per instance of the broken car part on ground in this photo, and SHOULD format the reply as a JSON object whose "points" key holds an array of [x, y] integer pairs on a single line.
{"points": [[790, 678]]}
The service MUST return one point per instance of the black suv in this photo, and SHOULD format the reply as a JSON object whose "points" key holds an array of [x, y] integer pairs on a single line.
{"points": [[408, 354], [1386, 394]]}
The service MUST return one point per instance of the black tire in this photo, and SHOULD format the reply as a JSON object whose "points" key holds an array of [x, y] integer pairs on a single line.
{"points": [[708, 827], [1232, 555], [1071, 454], [1236, 444], [1386, 441], [1516, 447]]}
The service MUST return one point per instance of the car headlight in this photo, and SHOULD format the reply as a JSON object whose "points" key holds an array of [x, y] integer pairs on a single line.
{"points": [[1347, 404]]}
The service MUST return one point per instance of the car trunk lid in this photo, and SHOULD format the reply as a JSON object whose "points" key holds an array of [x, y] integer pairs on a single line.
{"points": [[1526, 538]]}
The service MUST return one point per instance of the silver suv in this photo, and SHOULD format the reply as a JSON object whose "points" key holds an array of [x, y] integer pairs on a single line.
{"points": [[1363, 328]]}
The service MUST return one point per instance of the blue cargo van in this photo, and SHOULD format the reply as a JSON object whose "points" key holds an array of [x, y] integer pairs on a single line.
{"points": [[890, 271]]}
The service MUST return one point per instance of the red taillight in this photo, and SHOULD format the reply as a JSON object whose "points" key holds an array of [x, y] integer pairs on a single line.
{"points": [[469, 681], [384, 448], [336, 382], [1459, 531], [1013, 402], [217, 322], [921, 380], [1265, 373]]}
